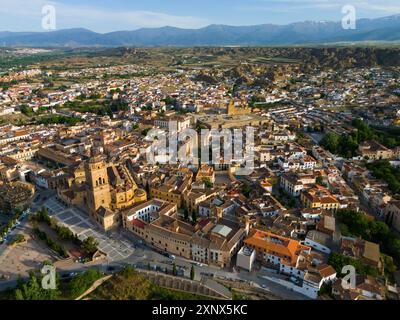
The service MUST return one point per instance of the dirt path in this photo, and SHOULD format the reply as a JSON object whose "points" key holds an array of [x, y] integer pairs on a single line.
{"points": [[94, 286]]}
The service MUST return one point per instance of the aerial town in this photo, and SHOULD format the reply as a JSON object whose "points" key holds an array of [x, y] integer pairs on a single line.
{"points": [[106, 170]]}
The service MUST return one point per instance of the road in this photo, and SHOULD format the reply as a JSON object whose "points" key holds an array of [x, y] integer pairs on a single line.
{"points": [[142, 255], [315, 137]]}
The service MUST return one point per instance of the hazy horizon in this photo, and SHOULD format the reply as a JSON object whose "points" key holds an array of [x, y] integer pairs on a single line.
{"points": [[104, 16]]}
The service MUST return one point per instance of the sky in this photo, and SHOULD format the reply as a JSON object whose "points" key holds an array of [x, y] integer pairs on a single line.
{"points": [[112, 15]]}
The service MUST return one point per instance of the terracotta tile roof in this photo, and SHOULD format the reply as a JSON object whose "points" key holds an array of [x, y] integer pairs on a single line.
{"points": [[277, 245], [326, 270], [138, 223]]}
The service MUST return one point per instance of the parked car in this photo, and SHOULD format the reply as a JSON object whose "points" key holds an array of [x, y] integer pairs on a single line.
{"points": [[207, 274]]}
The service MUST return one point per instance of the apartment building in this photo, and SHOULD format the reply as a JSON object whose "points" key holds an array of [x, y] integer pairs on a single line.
{"points": [[319, 197], [171, 190], [210, 241], [294, 183]]}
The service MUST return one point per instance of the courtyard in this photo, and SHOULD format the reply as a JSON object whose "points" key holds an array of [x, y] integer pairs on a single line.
{"points": [[114, 245]]}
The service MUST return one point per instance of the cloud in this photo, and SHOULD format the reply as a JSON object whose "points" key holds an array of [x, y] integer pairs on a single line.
{"points": [[95, 18], [388, 7]]}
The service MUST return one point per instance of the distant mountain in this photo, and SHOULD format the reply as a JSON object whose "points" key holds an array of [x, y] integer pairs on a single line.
{"points": [[308, 32]]}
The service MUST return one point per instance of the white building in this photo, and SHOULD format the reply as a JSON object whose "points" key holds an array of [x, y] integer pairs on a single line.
{"points": [[319, 241], [245, 258]]}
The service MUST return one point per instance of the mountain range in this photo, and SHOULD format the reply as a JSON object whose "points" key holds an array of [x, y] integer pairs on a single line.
{"points": [[308, 32]]}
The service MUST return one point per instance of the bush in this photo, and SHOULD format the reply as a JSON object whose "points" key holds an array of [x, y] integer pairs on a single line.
{"points": [[359, 225], [18, 239], [338, 261], [347, 145], [385, 171], [52, 245], [32, 290], [90, 245], [82, 282]]}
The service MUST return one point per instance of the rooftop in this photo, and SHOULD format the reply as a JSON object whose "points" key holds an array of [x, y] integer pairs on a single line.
{"points": [[222, 230]]}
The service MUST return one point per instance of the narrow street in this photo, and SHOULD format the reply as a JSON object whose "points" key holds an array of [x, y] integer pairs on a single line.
{"points": [[141, 255]]}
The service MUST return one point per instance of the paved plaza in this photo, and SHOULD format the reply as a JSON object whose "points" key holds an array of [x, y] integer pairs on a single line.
{"points": [[113, 244]]}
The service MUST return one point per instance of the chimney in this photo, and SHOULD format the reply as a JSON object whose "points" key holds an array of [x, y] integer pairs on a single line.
{"points": [[247, 225]]}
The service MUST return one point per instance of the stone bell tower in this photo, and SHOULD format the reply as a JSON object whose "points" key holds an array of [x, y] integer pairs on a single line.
{"points": [[98, 187]]}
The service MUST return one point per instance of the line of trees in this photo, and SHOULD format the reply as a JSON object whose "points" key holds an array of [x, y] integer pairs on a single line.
{"points": [[60, 250], [11, 222], [358, 224], [57, 119], [338, 261], [89, 245], [70, 289], [384, 170], [347, 145]]}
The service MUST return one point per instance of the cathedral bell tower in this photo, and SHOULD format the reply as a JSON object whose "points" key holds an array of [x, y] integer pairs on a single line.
{"points": [[98, 187]]}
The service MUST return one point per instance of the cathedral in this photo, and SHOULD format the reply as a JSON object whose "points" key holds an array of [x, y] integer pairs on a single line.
{"points": [[106, 190], [233, 110]]}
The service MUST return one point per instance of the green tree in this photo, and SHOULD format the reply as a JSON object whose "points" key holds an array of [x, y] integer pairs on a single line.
{"points": [[246, 189], [320, 180], [185, 214], [359, 224], [331, 142], [80, 283], [192, 273], [207, 183], [194, 217], [90, 245], [32, 290]]}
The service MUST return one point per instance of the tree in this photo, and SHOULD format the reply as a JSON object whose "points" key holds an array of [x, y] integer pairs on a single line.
{"points": [[18, 238], [90, 245], [64, 232], [185, 213], [338, 261], [360, 225], [174, 271], [80, 283], [207, 183], [246, 189], [326, 289], [331, 142], [145, 131], [385, 171], [192, 273], [194, 217], [32, 290], [43, 216], [26, 110], [320, 180]]}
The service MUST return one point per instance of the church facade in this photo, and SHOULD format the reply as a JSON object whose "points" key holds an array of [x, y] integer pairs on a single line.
{"points": [[106, 190]]}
